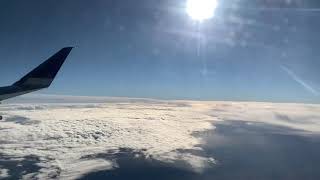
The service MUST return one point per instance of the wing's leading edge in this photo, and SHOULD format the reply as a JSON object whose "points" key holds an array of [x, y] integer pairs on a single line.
{"points": [[39, 78]]}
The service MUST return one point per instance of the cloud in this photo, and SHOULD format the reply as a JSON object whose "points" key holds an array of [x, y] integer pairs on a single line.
{"points": [[300, 81], [304, 117], [4, 173], [197, 163], [66, 133], [75, 169]]}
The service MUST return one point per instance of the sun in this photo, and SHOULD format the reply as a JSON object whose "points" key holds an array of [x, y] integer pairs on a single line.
{"points": [[201, 10]]}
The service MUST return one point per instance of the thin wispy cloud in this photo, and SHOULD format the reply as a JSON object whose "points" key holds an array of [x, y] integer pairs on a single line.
{"points": [[300, 81]]}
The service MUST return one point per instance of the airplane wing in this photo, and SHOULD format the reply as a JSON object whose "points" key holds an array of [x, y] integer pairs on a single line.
{"points": [[39, 78]]}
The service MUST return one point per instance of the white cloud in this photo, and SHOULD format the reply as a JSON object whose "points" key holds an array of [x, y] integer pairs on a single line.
{"points": [[4, 173], [63, 133], [74, 170], [197, 163], [304, 117]]}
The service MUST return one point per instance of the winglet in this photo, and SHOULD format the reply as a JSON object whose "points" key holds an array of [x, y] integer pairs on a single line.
{"points": [[44, 74]]}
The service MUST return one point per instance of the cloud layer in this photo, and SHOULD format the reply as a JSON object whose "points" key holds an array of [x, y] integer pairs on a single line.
{"points": [[62, 134]]}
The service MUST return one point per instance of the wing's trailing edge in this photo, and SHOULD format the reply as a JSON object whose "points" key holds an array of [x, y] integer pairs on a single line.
{"points": [[39, 78]]}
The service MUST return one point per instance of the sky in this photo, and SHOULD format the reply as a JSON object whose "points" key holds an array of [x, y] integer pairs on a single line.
{"points": [[262, 50]]}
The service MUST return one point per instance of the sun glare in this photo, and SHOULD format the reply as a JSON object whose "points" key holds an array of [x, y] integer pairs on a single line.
{"points": [[201, 10]]}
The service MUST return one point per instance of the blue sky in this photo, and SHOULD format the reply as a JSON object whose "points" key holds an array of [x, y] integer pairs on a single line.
{"points": [[262, 51]]}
